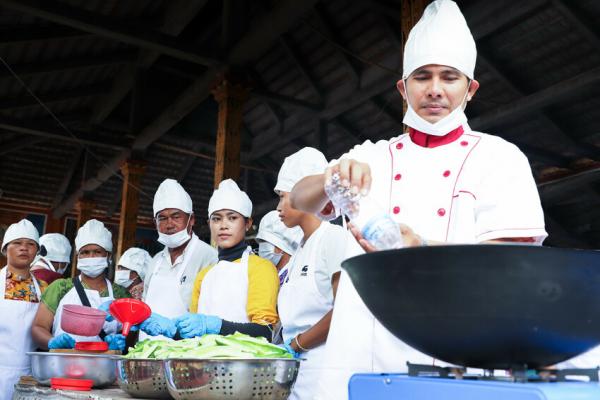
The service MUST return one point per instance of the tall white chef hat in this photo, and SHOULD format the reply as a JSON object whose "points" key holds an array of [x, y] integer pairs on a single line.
{"points": [[137, 260], [229, 197], [170, 194], [440, 37], [272, 230], [57, 247], [305, 162], [23, 229], [94, 232]]}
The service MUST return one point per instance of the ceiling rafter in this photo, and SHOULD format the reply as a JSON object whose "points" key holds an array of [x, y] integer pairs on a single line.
{"points": [[292, 52], [67, 177], [55, 97], [578, 21]]}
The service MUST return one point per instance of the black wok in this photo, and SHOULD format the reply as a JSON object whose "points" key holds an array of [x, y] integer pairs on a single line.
{"points": [[485, 306]]}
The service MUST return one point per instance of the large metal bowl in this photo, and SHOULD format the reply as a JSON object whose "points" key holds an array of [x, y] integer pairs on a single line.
{"points": [[240, 379], [98, 367], [142, 378]]}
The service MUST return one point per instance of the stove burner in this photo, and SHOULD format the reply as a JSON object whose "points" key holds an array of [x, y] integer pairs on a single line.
{"points": [[518, 374]]}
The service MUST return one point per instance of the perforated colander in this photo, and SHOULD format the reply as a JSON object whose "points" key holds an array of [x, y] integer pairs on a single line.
{"points": [[142, 378], [252, 379]]}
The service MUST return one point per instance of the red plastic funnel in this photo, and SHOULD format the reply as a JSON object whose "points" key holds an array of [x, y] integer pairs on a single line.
{"points": [[129, 312]]}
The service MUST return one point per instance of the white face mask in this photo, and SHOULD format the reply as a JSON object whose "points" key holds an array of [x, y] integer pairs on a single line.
{"points": [[441, 128], [92, 266], [122, 278], [267, 251], [177, 239], [63, 268]]}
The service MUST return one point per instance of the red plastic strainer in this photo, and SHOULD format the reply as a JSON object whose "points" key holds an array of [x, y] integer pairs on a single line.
{"points": [[129, 312]]}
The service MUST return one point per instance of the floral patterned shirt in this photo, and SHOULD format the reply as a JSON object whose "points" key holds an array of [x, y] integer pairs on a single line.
{"points": [[23, 290]]}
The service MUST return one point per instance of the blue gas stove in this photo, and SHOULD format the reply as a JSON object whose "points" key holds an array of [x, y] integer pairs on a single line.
{"points": [[403, 386]]}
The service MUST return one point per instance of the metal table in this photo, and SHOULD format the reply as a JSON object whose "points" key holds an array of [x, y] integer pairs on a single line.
{"points": [[35, 392]]}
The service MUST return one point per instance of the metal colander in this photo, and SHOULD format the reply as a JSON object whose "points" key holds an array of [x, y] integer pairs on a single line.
{"points": [[142, 378], [252, 379]]}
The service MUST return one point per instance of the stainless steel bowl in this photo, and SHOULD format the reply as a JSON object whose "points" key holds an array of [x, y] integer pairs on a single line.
{"points": [[252, 379], [142, 378], [98, 367]]}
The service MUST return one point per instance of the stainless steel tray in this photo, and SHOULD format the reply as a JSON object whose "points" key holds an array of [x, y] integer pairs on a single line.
{"points": [[100, 368]]}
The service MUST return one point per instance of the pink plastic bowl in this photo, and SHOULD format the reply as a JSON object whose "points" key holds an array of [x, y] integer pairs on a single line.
{"points": [[81, 320]]}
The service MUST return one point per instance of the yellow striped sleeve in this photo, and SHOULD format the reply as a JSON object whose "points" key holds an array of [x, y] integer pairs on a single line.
{"points": [[196, 290], [263, 288]]}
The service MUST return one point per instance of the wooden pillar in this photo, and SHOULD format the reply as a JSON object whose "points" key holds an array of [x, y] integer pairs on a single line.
{"points": [[230, 93], [132, 170], [411, 13], [84, 207]]}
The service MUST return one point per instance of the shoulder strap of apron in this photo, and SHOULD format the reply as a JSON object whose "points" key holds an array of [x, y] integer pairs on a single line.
{"points": [[84, 299]]}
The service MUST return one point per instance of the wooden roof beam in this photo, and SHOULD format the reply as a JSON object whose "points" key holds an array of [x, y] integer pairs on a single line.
{"points": [[28, 101], [19, 143], [302, 67], [178, 15], [260, 37], [67, 177], [285, 101], [79, 18], [579, 22]]}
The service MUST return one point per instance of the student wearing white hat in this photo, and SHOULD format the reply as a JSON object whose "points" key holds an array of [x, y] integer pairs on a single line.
{"points": [[170, 277], [20, 294], [131, 271], [276, 242], [445, 182], [307, 294], [54, 257], [239, 292], [91, 288]]}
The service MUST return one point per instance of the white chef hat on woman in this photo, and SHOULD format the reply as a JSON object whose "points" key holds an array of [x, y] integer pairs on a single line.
{"points": [[23, 229], [58, 248], [272, 230], [94, 232], [170, 194], [228, 196], [137, 260], [441, 37], [305, 162]]}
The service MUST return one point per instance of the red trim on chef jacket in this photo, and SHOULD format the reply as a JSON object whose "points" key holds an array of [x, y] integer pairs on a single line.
{"points": [[425, 140]]}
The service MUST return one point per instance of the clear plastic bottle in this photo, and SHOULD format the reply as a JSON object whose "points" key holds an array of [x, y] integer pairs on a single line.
{"points": [[375, 225]]}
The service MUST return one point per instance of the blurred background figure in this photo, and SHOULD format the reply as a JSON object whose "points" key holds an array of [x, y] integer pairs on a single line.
{"points": [[276, 242], [131, 271], [53, 259]]}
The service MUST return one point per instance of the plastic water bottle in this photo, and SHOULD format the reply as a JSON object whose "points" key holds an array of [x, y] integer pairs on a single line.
{"points": [[375, 225]]}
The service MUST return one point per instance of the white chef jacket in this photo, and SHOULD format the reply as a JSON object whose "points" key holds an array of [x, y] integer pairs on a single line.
{"points": [[476, 188]]}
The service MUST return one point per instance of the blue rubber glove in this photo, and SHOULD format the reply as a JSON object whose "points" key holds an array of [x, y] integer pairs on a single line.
{"points": [[104, 307], [288, 346], [115, 341], [156, 325], [192, 325], [62, 341]]}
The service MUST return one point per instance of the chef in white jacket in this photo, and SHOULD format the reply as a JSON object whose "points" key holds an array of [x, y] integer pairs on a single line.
{"points": [[306, 297], [170, 276], [444, 183], [20, 296]]}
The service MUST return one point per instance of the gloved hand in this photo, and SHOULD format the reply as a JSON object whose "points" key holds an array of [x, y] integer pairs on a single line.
{"points": [[115, 341], [288, 346], [192, 325], [62, 341], [104, 307], [156, 325]]}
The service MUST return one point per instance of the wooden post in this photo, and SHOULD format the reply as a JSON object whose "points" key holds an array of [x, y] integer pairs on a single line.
{"points": [[84, 207], [230, 94], [132, 170], [411, 12]]}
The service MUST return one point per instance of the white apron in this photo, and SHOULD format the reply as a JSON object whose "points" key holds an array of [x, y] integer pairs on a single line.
{"points": [[15, 338], [430, 191], [301, 305], [95, 300], [224, 290], [163, 298]]}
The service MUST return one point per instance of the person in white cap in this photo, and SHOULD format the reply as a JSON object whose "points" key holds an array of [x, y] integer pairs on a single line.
{"points": [[307, 294], [444, 183], [131, 271], [54, 258], [239, 292], [277, 242], [170, 277], [20, 294], [91, 288]]}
